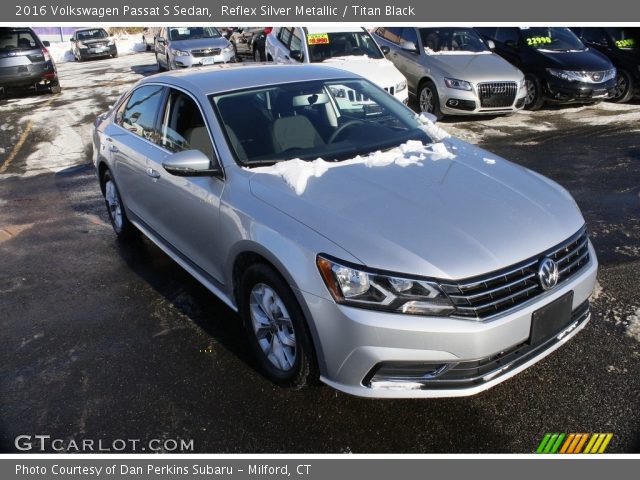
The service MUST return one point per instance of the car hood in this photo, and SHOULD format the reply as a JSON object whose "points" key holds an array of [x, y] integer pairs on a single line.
{"points": [[449, 218], [379, 70], [475, 67], [199, 43], [589, 60]]}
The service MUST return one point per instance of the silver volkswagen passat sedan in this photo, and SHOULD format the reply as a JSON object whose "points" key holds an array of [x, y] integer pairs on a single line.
{"points": [[358, 241]]}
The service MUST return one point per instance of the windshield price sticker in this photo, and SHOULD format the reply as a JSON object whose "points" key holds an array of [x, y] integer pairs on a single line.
{"points": [[627, 42], [538, 40], [317, 38]]}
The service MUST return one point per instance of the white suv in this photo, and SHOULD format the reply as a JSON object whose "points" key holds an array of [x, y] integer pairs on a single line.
{"points": [[352, 49]]}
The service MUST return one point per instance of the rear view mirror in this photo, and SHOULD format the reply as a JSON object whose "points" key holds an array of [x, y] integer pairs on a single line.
{"points": [[385, 49], [511, 44], [46, 43], [190, 163]]}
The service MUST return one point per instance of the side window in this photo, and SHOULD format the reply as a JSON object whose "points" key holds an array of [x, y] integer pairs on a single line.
{"points": [[285, 35], [392, 34], [507, 34], [594, 35], [409, 35], [296, 41], [183, 127], [139, 113]]}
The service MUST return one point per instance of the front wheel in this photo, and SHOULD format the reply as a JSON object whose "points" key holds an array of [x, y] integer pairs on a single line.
{"points": [[276, 327], [121, 225], [428, 99], [624, 87], [534, 99]]}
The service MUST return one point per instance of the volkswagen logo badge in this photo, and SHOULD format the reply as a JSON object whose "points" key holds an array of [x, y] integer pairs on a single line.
{"points": [[548, 273]]}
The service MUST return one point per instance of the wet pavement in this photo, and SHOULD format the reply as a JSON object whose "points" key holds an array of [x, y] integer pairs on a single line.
{"points": [[106, 341]]}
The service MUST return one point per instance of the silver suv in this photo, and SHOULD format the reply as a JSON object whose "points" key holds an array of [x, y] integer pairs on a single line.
{"points": [[357, 241], [452, 71], [183, 47]]}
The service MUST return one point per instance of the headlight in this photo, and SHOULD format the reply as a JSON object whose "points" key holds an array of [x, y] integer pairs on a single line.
{"points": [[586, 77], [111, 41], [228, 48], [457, 84], [401, 86], [359, 288], [81, 45], [179, 53]]}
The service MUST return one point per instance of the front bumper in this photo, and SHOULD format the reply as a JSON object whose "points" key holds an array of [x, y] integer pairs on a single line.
{"points": [[356, 342], [465, 102], [187, 61], [91, 52], [561, 91]]}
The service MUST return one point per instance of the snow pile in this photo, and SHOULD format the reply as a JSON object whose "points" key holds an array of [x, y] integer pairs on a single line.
{"points": [[633, 330], [296, 173], [61, 51]]}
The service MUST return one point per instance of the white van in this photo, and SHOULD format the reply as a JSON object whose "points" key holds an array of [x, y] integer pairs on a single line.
{"points": [[349, 48]]}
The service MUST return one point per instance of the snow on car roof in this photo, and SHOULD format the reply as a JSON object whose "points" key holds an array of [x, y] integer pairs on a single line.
{"points": [[238, 76]]}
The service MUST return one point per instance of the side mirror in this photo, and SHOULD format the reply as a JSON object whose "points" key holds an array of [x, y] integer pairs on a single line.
{"points": [[408, 46], [385, 49], [190, 163], [491, 44], [296, 55], [162, 40], [46, 43], [71, 39]]}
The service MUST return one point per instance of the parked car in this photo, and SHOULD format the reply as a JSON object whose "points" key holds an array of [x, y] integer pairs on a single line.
{"points": [[25, 62], [558, 67], [149, 35], [363, 244], [184, 47], [249, 42], [91, 43], [622, 46], [351, 49], [452, 71]]}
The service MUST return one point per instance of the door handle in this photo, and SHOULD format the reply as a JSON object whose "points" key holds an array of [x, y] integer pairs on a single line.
{"points": [[153, 173]]}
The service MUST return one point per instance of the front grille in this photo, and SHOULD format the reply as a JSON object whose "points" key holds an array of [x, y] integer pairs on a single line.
{"points": [[488, 295], [390, 90], [497, 94], [205, 52]]}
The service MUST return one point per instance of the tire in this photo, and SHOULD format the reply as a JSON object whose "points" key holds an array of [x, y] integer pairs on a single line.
{"points": [[160, 67], [115, 209], [115, 55], [428, 100], [534, 100], [147, 46], [276, 328], [624, 87], [55, 89]]}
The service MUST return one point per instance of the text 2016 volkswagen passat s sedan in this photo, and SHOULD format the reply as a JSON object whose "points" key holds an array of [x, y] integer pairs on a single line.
{"points": [[357, 241]]}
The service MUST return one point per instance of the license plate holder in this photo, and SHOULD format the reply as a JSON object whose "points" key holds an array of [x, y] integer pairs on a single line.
{"points": [[551, 319], [208, 61]]}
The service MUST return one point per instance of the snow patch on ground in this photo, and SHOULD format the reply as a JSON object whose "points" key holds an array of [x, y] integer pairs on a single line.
{"points": [[597, 292], [296, 173], [5, 126], [633, 328]]}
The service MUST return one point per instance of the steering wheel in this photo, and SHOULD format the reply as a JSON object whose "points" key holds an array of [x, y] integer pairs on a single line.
{"points": [[343, 127]]}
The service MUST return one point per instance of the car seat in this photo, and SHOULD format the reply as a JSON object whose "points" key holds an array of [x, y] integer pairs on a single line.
{"points": [[290, 131]]}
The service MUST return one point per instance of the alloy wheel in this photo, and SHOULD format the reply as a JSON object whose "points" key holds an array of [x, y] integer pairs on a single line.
{"points": [[113, 202]]}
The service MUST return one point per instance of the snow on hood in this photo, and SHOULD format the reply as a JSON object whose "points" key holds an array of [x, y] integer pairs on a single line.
{"points": [[296, 173]]}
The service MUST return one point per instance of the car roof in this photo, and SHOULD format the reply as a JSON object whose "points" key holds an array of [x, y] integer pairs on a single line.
{"points": [[239, 76], [333, 29]]}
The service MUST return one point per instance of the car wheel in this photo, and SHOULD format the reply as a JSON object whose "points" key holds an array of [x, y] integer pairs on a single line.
{"points": [[160, 67], [147, 45], [533, 100], [121, 225], [624, 87], [276, 327], [114, 55], [428, 100], [55, 88]]}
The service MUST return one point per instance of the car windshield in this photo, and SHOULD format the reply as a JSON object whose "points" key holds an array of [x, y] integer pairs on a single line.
{"points": [[331, 119], [16, 40], [323, 46], [447, 40], [189, 33], [556, 39], [623, 38], [94, 34]]}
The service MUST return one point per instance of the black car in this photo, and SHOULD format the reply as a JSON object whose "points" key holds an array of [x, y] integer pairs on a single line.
{"points": [[622, 46], [558, 67], [25, 62], [91, 43]]}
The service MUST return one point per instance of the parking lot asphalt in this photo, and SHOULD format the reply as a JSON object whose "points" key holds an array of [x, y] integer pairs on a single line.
{"points": [[105, 341]]}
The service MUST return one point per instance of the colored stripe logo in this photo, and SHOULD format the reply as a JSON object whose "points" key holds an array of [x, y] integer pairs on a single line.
{"points": [[574, 443]]}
